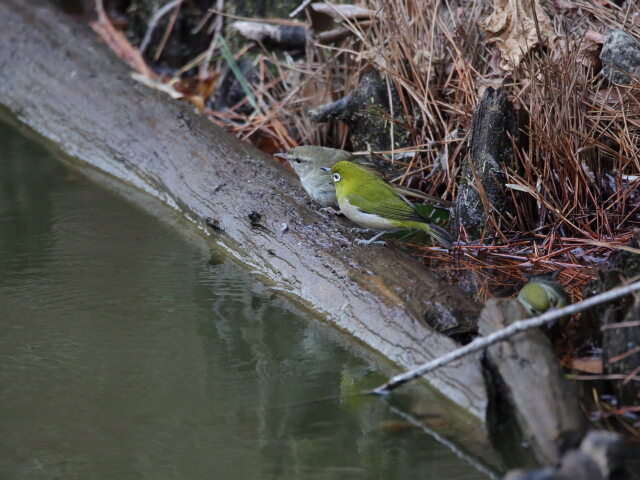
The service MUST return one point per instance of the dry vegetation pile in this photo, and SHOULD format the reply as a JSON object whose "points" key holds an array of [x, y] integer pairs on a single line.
{"points": [[573, 186]]}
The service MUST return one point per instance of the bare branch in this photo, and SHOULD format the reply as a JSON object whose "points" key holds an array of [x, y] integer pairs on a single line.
{"points": [[518, 326], [301, 7]]}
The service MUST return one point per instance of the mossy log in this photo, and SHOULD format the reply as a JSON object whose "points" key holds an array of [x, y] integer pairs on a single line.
{"points": [[367, 111], [482, 185], [57, 78]]}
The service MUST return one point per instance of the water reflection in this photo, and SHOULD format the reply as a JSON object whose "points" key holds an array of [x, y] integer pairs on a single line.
{"points": [[128, 352], [25, 203]]}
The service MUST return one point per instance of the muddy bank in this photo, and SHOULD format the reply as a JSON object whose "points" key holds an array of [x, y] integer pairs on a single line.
{"points": [[58, 79]]}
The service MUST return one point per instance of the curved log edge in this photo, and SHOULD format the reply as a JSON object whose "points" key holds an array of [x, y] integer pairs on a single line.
{"points": [[57, 78]]}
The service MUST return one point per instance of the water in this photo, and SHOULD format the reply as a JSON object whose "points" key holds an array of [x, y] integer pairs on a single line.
{"points": [[130, 351]]}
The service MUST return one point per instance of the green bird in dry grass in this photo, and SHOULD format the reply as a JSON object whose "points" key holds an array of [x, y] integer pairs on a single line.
{"points": [[312, 163], [541, 293], [369, 201]]}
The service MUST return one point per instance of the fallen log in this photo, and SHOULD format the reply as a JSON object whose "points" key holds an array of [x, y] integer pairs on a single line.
{"points": [[59, 80]]}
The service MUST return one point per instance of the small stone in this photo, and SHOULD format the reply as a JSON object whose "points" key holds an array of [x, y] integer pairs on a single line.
{"points": [[213, 224], [620, 57], [254, 217]]}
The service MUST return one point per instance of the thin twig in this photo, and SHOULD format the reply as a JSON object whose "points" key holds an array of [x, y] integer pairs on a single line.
{"points": [[624, 355], [118, 42], [162, 11], [611, 376], [632, 323], [633, 374], [217, 30], [518, 326], [167, 31], [301, 7]]}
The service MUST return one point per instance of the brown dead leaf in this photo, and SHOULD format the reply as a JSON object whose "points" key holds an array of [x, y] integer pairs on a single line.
{"points": [[512, 25], [485, 82], [587, 364], [587, 46], [607, 97], [196, 86], [266, 144], [194, 90], [594, 36]]}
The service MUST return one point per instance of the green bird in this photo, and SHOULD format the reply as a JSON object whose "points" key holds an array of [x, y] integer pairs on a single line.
{"points": [[541, 293], [369, 201], [312, 164]]}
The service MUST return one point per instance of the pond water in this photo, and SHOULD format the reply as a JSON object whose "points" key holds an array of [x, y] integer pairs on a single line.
{"points": [[131, 351]]}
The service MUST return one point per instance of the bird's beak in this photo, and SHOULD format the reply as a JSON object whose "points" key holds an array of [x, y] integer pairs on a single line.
{"points": [[326, 169], [281, 155]]}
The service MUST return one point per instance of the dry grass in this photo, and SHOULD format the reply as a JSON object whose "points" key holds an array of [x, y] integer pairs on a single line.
{"points": [[579, 136], [574, 178]]}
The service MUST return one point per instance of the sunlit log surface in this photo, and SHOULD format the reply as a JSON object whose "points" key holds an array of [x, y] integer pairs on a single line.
{"points": [[57, 78]]}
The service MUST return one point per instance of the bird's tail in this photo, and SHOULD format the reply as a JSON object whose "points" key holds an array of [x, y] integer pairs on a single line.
{"points": [[439, 234]]}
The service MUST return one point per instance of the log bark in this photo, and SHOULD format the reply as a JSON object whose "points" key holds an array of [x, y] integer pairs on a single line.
{"points": [[59, 80]]}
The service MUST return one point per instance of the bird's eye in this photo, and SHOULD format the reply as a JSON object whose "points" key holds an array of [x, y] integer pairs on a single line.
{"points": [[298, 160], [336, 177]]}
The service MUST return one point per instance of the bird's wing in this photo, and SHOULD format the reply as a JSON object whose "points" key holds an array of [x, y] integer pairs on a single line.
{"points": [[556, 293], [390, 206], [412, 192]]}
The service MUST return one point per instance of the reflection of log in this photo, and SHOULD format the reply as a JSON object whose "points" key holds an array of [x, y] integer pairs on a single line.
{"points": [[57, 78]]}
